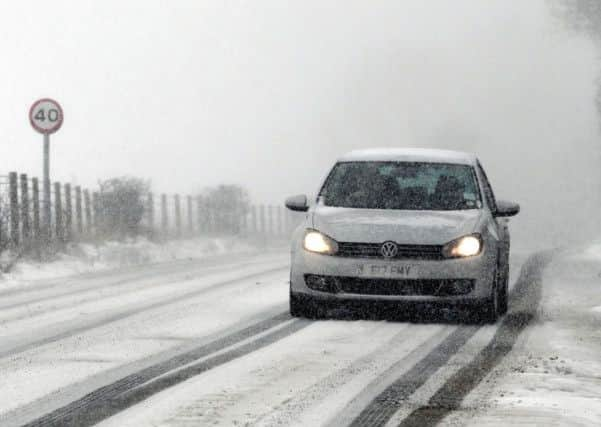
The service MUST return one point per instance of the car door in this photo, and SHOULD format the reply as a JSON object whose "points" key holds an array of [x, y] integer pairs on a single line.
{"points": [[500, 224]]}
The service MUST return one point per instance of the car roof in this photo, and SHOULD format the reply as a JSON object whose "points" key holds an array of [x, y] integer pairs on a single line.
{"points": [[427, 155]]}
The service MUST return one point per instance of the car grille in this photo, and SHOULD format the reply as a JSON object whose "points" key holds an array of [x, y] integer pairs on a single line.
{"points": [[372, 250], [389, 287]]}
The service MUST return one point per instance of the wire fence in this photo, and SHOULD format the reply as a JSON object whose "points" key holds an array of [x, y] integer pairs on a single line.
{"points": [[73, 213]]}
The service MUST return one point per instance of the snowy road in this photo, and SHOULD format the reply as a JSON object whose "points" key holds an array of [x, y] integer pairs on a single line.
{"points": [[210, 342]]}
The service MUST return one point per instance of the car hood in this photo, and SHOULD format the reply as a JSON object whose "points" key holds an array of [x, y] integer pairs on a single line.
{"points": [[405, 227]]}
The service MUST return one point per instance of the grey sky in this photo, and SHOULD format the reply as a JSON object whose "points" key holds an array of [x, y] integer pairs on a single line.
{"points": [[268, 93]]}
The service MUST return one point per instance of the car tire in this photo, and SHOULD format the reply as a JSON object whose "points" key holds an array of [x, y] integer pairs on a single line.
{"points": [[503, 289], [489, 311], [305, 306]]}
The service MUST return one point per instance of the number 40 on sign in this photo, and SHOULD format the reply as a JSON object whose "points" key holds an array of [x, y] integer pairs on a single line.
{"points": [[46, 116]]}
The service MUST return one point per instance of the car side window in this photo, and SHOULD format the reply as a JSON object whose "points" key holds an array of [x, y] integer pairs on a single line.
{"points": [[488, 193]]}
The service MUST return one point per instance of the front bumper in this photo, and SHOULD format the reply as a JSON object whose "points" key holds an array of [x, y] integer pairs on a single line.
{"points": [[414, 279]]}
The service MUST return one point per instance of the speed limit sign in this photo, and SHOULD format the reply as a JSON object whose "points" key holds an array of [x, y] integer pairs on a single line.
{"points": [[46, 116]]}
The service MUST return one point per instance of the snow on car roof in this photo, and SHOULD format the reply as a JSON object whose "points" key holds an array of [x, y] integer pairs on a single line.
{"points": [[409, 155]]}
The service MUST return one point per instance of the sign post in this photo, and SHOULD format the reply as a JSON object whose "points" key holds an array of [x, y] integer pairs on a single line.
{"points": [[46, 117]]}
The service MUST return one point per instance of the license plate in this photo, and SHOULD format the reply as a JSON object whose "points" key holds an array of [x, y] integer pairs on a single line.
{"points": [[383, 270]]}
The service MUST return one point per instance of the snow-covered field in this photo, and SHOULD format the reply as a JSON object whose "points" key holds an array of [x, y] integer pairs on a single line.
{"points": [[64, 337], [88, 257], [205, 340]]}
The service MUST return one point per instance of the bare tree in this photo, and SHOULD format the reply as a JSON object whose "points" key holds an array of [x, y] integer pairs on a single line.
{"points": [[225, 205], [122, 203], [581, 17]]}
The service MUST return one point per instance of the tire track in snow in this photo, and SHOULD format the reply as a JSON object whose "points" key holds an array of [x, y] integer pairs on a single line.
{"points": [[383, 407], [525, 297], [123, 315], [113, 398], [404, 343], [73, 391], [130, 286]]}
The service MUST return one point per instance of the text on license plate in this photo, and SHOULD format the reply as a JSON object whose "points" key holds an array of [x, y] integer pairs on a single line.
{"points": [[386, 270]]}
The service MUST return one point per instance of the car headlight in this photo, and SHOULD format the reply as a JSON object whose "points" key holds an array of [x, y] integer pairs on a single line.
{"points": [[314, 241], [463, 247]]}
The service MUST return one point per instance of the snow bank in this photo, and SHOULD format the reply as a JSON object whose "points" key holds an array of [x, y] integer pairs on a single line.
{"points": [[86, 257]]}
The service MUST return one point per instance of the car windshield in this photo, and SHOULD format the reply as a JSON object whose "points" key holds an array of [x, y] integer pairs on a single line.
{"points": [[401, 185]]}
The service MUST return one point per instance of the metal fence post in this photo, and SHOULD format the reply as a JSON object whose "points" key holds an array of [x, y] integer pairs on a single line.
{"points": [[178, 216], [78, 210], [280, 229], [150, 209], [13, 198], [262, 218], [291, 222], [25, 219], [68, 234], [58, 212], [164, 217], [253, 219], [209, 217], [88, 211], [269, 219], [286, 220], [244, 222], [35, 198], [190, 219], [96, 221], [199, 215]]}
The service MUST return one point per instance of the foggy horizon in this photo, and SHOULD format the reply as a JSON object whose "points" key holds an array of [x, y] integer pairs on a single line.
{"points": [[267, 95]]}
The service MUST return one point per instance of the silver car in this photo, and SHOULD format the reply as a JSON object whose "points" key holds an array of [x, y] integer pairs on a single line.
{"points": [[402, 225]]}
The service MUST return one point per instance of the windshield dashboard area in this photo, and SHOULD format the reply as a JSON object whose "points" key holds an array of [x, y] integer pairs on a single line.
{"points": [[402, 186]]}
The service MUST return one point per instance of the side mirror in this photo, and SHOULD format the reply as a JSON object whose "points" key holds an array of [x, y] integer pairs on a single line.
{"points": [[506, 209], [297, 203]]}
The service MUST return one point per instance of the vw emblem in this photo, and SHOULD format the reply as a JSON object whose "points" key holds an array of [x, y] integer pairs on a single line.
{"points": [[389, 249]]}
